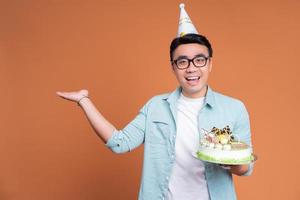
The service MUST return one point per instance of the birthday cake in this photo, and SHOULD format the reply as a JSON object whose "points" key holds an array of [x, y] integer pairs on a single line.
{"points": [[222, 147]]}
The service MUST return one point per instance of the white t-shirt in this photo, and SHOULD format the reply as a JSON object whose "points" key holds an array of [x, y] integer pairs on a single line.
{"points": [[187, 179]]}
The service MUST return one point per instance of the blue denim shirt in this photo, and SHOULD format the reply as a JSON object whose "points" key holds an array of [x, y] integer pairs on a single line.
{"points": [[155, 127]]}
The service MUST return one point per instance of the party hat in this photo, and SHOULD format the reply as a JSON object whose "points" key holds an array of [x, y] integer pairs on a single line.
{"points": [[185, 23]]}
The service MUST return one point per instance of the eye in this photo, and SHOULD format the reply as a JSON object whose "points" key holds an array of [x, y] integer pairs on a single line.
{"points": [[182, 62], [200, 60]]}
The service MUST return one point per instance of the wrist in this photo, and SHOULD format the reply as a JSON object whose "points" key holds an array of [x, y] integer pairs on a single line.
{"points": [[81, 100]]}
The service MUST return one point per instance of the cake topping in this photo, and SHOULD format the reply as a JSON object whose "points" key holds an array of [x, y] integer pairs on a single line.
{"points": [[221, 139]]}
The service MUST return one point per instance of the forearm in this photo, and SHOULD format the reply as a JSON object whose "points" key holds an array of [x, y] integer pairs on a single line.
{"points": [[103, 128]]}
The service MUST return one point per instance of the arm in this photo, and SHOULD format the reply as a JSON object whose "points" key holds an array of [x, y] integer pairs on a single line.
{"points": [[119, 141], [103, 128], [131, 136], [242, 127]]}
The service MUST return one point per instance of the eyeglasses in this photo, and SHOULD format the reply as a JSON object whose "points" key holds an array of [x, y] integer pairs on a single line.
{"points": [[184, 63]]}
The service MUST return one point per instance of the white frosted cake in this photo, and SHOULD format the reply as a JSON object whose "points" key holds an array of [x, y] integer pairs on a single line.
{"points": [[220, 146]]}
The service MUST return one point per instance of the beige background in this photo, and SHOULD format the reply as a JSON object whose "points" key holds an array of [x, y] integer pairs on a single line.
{"points": [[119, 51]]}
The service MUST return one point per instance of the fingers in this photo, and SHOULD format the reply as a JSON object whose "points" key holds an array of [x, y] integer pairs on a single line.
{"points": [[67, 95], [61, 94], [227, 167], [73, 96]]}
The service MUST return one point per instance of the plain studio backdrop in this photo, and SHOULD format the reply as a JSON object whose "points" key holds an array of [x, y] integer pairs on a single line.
{"points": [[119, 51]]}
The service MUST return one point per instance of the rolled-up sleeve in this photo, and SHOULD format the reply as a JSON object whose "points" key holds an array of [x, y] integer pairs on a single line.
{"points": [[131, 136], [242, 128]]}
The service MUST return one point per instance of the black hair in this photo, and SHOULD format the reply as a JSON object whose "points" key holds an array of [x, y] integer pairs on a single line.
{"points": [[189, 39]]}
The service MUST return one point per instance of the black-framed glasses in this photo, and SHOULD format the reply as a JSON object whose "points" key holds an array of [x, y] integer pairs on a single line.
{"points": [[184, 62]]}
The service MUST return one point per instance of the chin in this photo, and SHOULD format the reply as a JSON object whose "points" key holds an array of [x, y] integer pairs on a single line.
{"points": [[196, 91]]}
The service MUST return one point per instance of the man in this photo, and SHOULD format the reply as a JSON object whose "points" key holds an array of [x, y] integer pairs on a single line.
{"points": [[168, 125]]}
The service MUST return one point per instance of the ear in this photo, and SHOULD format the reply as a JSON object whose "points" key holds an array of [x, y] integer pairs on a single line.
{"points": [[210, 64], [172, 67]]}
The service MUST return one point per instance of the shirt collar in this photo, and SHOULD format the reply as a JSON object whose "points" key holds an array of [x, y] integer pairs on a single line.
{"points": [[210, 97], [174, 96]]}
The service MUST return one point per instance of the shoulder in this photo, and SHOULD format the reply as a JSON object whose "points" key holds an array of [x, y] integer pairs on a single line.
{"points": [[158, 99], [225, 98], [162, 96], [228, 101]]}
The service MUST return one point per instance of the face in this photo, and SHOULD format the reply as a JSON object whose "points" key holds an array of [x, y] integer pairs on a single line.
{"points": [[193, 80]]}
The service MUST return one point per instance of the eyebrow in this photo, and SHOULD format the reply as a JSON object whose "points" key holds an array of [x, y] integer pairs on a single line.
{"points": [[198, 55]]}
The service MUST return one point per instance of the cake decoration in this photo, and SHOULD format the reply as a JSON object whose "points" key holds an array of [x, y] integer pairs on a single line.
{"points": [[223, 147]]}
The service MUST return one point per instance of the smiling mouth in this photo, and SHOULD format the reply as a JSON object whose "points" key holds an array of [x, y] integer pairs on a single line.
{"points": [[194, 78]]}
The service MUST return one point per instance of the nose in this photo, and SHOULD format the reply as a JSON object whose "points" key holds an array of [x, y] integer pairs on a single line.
{"points": [[192, 68]]}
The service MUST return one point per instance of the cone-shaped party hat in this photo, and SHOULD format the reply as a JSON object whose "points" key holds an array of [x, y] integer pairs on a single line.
{"points": [[185, 23]]}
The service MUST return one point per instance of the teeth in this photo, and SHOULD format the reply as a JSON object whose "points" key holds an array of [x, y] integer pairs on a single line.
{"points": [[192, 78]]}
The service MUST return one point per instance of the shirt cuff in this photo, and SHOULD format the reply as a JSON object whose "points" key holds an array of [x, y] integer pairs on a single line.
{"points": [[250, 170], [112, 142]]}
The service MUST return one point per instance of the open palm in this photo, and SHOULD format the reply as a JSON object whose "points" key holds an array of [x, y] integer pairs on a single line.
{"points": [[73, 96]]}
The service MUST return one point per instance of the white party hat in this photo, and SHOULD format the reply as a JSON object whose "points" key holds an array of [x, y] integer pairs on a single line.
{"points": [[185, 23]]}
